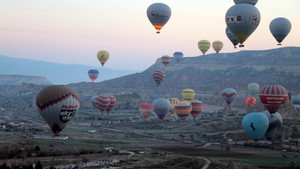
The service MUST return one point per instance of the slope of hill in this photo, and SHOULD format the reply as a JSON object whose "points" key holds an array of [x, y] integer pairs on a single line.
{"points": [[20, 79], [54, 72]]}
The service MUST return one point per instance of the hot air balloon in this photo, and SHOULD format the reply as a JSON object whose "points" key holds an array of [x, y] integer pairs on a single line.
{"points": [[229, 94], [158, 76], [145, 110], [102, 56], [158, 14], [188, 94], [203, 45], [242, 20], [217, 45], [93, 74], [275, 123], [161, 107], [165, 60], [273, 96], [252, 2], [102, 102], [183, 109], [296, 103], [280, 28], [178, 56], [112, 103], [231, 37], [57, 105], [197, 107], [255, 124], [253, 88], [250, 101], [173, 102]]}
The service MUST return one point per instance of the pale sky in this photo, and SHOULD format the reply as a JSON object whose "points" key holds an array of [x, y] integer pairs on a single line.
{"points": [[73, 31]]}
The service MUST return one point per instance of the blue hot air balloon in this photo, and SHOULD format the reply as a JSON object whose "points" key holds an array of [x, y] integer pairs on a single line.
{"points": [[256, 125], [178, 56], [280, 28]]}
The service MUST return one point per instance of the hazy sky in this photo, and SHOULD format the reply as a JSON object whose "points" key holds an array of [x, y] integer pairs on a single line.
{"points": [[73, 31]]}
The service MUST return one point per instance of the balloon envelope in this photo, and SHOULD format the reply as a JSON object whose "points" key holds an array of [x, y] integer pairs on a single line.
{"points": [[158, 14], [217, 45], [197, 107], [275, 123], [273, 97], [102, 102], [255, 124], [93, 74], [173, 102], [231, 37], [253, 88], [102, 56], [158, 76], [165, 60], [204, 46], [161, 107], [229, 94], [188, 94], [145, 110], [178, 56], [57, 105], [280, 28], [252, 2], [250, 101], [183, 109], [112, 103], [242, 20]]}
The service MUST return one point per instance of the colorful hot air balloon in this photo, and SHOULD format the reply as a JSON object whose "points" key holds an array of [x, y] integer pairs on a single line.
{"points": [[145, 110], [178, 56], [158, 14], [242, 20], [183, 109], [188, 94], [173, 102], [93, 74], [275, 123], [165, 60], [255, 124], [57, 105], [158, 76], [204, 46], [253, 88], [231, 37], [280, 28], [112, 103], [252, 2], [229, 94], [273, 96], [102, 56], [102, 102], [217, 45], [250, 101], [161, 107], [197, 107]]}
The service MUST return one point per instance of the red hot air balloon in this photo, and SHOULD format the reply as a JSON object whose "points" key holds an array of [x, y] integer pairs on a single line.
{"points": [[158, 76], [146, 109], [273, 96], [112, 103], [197, 107], [250, 101], [229, 94]]}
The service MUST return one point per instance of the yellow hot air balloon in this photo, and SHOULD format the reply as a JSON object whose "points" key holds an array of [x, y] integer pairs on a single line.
{"points": [[204, 46], [183, 109], [173, 102], [217, 45], [102, 56], [188, 94]]}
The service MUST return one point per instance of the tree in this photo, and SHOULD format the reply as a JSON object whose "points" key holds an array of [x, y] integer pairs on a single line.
{"points": [[39, 165]]}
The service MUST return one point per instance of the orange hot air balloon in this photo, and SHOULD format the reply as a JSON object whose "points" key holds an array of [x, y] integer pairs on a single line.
{"points": [[250, 101], [197, 107], [217, 45], [146, 109], [158, 76], [112, 103], [101, 102], [165, 60], [183, 109]]}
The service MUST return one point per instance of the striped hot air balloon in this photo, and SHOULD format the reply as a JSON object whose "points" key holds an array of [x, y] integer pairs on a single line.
{"points": [[93, 74], [145, 109], [112, 103], [253, 88], [250, 101], [158, 76], [197, 107], [165, 60], [217, 45], [188, 94], [57, 105], [183, 109], [273, 97], [173, 102], [275, 123], [161, 107], [229, 94], [101, 102], [204, 46]]}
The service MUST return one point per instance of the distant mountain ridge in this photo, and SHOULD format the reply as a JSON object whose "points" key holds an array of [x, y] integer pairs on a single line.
{"points": [[20, 79], [56, 73]]}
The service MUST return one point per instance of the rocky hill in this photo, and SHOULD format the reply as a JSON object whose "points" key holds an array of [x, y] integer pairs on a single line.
{"points": [[20, 79]]}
